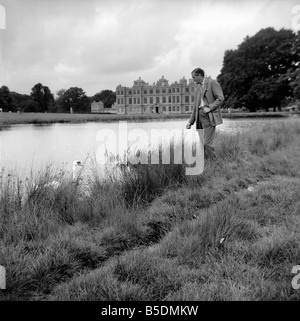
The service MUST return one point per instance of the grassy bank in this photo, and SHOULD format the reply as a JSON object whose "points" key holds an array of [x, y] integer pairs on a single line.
{"points": [[152, 233], [48, 118], [255, 115]]}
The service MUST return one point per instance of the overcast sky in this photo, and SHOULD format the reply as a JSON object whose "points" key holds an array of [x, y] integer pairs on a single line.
{"points": [[99, 44]]}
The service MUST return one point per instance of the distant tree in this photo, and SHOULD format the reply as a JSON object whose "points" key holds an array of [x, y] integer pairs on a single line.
{"points": [[49, 101], [108, 97], [19, 98], [76, 98], [29, 106], [6, 99], [60, 93], [295, 82], [294, 73], [37, 95], [21, 101], [58, 105], [42, 96], [254, 75]]}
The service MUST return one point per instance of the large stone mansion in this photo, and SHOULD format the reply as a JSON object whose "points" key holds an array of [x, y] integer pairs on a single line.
{"points": [[142, 98]]}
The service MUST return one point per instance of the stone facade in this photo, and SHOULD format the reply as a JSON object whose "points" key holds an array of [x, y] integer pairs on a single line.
{"points": [[98, 107], [160, 97]]}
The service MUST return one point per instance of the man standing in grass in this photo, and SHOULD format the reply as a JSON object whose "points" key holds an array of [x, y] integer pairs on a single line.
{"points": [[206, 112]]}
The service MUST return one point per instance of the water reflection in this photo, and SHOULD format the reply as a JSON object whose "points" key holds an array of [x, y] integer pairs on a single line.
{"points": [[31, 147]]}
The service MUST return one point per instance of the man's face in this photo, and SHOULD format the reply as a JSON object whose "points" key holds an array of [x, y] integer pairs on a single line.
{"points": [[198, 79]]}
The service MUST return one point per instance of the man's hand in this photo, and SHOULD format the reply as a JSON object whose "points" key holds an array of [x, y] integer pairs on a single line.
{"points": [[188, 125], [206, 109]]}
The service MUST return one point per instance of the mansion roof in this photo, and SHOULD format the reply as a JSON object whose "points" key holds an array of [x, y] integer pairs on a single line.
{"points": [[162, 82]]}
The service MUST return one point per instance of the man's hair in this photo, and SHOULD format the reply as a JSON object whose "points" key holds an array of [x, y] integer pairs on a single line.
{"points": [[198, 71]]}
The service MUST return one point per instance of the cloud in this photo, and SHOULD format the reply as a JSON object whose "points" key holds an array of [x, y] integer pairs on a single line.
{"points": [[99, 44]]}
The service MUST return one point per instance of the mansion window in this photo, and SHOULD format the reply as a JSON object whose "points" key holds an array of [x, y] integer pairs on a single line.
{"points": [[163, 90], [151, 100], [145, 92], [186, 99], [186, 89], [134, 100], [157, 100], [151, 91], [157, 91], [178, 99], [173, 99], [173, 90], [192, 98], [170, 99], [130, 101], [186, 108], [145, 100], [130, 92], [177, 90], [164, 100]]}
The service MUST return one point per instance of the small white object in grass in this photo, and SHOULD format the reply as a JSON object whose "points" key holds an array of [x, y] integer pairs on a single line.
{"points": [[77, 166], [250, 188], [222, 240]]}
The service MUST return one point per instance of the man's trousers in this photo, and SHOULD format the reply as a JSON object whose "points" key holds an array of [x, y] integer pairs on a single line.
{"points": [[209, 133]]}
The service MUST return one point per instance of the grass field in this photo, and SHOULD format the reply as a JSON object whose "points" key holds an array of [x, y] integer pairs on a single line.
{"points": [[231, 233], [48, 118]]}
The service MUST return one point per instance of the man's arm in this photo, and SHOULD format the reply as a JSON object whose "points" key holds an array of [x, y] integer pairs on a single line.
{"points": [[218, 94], [195, 108]]}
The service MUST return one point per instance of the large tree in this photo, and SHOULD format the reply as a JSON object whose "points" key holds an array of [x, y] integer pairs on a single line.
{"points": [[254, 75], [108, 97], [74, 98], [42, 97], [294, 73], [6, 99]]}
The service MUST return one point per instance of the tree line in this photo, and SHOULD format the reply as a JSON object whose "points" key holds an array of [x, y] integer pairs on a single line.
{"points": [[42, 100], [262, 73]]}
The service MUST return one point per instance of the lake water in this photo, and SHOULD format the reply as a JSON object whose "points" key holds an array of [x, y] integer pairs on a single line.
{"points": [[30, 147]]}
